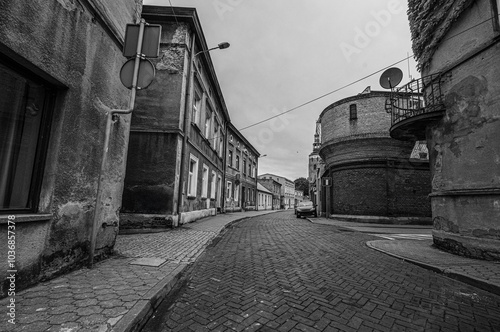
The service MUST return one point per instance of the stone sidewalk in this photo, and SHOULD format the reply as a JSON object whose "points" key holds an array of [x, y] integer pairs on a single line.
{"points": [[119, 293], [479, 273]]}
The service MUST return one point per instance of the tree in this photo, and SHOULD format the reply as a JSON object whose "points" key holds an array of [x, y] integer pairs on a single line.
{"points": [[302, 184]]}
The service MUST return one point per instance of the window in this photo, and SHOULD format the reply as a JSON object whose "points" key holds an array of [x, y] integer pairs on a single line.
{"points": [[230, 158], [208, 121], [216, 135], [221, 145], [237, 193], [238, 162], [213, 187], [219, 188], [244, 166], [193, 176], [195, 116], [495, 12], [26, 105], [229, 193], [353, 112], [204, 185]]}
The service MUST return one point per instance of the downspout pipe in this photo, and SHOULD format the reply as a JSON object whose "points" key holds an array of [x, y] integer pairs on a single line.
{"points": [[110, 115], [186, 127], [224, 165]]}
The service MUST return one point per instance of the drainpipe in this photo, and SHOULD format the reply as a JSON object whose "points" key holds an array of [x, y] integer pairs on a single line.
{"points": [[224, 185], [110, 115], [186, 127]]}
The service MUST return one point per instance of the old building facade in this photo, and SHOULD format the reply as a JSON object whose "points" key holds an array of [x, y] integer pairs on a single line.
{"points": [[371, 173], [316, 167], [59, 69], [264, 198], [275, 188], [241, 172], [458, 53], [287, 190], [175, 169]]}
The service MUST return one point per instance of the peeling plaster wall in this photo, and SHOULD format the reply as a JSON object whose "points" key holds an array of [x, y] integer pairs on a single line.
{"points": [[75, 45], [153, 165], [464, 145]]}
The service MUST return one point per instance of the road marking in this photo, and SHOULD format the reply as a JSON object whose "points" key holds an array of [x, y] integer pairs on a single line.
{"points": [[419, 237]]}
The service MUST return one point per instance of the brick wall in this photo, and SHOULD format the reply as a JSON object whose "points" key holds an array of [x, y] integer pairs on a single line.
{"points": [[378, 190], [372, 173]]}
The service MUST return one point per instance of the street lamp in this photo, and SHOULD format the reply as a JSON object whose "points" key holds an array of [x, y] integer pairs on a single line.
{"points": [[221, 46]]}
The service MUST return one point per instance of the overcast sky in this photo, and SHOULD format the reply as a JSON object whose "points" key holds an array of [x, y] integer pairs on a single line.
{"points": [[285, 53]]}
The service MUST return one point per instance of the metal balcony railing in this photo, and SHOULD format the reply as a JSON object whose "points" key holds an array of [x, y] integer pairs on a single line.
{"points": [[418, 97]]}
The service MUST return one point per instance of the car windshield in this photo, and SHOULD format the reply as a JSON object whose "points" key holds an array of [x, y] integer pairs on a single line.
{"points": [[305, 203]]}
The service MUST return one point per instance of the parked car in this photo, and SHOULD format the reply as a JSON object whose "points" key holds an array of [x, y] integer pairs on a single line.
{"points": [[306, 209]]}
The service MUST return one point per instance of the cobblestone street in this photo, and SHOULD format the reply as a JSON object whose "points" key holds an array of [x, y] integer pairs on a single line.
{"points": [[279, 273]]}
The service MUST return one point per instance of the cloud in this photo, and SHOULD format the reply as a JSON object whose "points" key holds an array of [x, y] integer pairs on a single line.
{"points": [[287, 52]]}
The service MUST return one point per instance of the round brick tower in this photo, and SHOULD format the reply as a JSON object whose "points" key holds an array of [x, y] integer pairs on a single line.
{"points": [[372, 174]]}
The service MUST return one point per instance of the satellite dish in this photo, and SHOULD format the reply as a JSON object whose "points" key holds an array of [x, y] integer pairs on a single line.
{"points": [[391, 77]]}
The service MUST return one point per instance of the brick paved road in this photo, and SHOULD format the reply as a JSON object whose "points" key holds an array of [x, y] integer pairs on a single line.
{"points": [[279, 273]]}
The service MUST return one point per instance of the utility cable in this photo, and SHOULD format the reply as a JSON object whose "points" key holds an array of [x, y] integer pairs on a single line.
{"points": [[360, 79]]}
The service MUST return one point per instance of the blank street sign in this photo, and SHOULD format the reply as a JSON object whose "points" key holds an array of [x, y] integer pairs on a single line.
{"points": [[150, 42]]}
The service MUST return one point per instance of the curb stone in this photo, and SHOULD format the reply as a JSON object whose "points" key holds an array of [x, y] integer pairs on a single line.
{"points": [[476, 282]]}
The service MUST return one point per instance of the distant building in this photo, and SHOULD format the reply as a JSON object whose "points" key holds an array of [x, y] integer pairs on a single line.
{"points": [[457, 46], [264, 198], [316, 169], [175, 165], [299, 197], [275, 188], [241, 172], [59, 76], [287, 190], [371, 173]]}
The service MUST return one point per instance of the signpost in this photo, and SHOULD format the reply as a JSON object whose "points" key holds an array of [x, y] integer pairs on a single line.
{"points": [[141, 41], [136, 73]]}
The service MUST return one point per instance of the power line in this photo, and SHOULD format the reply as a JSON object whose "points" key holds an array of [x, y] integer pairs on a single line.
{"points": [[361, 79], [326, 94], [173, 12]]}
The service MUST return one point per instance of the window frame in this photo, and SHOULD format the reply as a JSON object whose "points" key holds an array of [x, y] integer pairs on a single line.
{"points": [[213, 185], [42, 143], [208, 122], [230, 157], [229, 190], [204, 181], [495, 12], [353, 112], [196, 111], [192, 185]]}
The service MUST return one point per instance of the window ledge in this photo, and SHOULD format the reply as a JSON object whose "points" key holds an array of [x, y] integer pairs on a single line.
{"points": [[21, 218]]}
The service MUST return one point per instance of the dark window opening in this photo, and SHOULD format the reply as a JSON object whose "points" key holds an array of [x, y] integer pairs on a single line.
{"points": [[495, 4], [26, 106], [353, 112]]}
